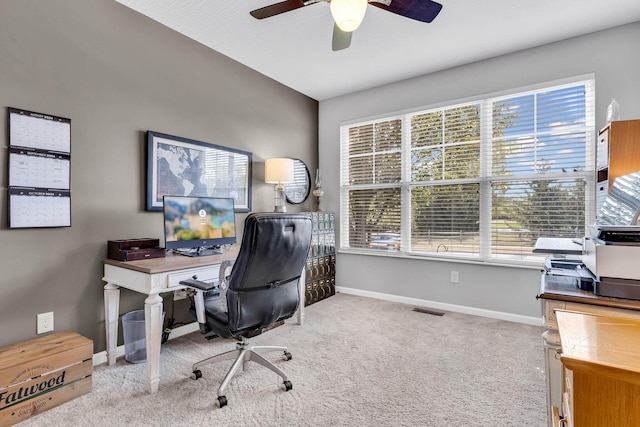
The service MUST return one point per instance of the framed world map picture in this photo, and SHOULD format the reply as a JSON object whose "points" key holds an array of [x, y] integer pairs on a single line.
{"points": [[183, 167]]}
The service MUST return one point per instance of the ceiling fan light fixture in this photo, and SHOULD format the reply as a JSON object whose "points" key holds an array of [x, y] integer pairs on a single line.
{"points": [[348, 14]]}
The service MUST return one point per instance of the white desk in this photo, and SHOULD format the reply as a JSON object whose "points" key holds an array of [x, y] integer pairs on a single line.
{"points": [[153, 277]]}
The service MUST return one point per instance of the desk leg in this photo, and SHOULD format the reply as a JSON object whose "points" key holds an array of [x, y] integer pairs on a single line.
{"points": [[301, 289], [111, 308], [153, 331]]}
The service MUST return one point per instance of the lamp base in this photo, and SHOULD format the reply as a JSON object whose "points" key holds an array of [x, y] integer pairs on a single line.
{"points": [[278, 199]]}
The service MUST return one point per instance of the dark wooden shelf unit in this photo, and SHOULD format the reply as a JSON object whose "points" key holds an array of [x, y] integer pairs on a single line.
{"points": [[320, 273]]}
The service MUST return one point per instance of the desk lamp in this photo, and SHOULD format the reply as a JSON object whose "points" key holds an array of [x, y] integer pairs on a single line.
{"points": [[278, 171]]}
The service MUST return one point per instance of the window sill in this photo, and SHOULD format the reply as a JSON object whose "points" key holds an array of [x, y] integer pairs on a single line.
{"points": [[534, 264]]}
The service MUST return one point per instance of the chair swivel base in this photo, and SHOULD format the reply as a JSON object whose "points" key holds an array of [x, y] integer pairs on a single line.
{"points": [[242, 355]]}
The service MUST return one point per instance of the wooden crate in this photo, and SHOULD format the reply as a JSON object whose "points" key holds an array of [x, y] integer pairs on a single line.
{"points": [[42, 373]]}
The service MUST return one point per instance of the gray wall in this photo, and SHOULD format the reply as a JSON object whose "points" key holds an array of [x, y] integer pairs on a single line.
{"points": [[612, 55], [116, 74]]}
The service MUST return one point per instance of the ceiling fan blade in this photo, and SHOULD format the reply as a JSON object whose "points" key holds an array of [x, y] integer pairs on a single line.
{"points": [[341, 39], [277, 9], [420, 10]]}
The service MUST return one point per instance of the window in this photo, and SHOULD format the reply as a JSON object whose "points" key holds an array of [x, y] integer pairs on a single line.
{"points": [[481, 179]]}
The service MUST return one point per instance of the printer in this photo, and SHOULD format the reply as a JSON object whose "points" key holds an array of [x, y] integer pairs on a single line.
{"points": [[610, 260], [613, 257]]}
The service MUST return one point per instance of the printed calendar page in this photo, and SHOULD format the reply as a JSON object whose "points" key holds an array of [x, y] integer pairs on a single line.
{"points": [[30, 168], [39, 170], [41, 131], [38, 208]]}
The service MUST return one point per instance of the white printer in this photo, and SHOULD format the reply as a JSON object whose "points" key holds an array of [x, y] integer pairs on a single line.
{"points": [[612, 252], [617, 269], [611, 258]]}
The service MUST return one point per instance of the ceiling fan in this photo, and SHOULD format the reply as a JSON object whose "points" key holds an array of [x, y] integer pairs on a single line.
{"points": [[348, 14]]}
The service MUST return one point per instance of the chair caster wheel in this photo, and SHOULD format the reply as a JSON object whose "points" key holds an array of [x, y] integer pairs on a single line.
{"points": [[287, 355], [197, 374], [287, 385], [222, 401]]}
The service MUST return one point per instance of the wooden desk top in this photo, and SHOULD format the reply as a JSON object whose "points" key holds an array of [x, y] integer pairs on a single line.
{"points": [[173, 262], [600, 344], [564, 289]]}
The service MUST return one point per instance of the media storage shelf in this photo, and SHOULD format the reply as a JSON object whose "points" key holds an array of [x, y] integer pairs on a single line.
{"points": [[320, 269]]}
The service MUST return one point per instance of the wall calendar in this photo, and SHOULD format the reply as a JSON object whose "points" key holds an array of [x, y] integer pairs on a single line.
{"points": [[39, 170]]}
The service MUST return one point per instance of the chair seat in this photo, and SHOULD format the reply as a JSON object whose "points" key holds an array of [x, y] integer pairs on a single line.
{"points": [[217, 317], [263, 288]]}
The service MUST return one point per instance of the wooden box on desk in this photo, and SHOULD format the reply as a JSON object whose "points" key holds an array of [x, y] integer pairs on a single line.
{"points": [[42, 373], [134, 249]]}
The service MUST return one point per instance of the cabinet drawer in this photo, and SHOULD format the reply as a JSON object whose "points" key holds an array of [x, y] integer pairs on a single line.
{"points": [[205, 274], [550, 322], [606, 311]]}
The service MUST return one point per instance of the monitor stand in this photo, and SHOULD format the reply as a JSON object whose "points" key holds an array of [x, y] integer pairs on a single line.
{"points": [[200, 251]]}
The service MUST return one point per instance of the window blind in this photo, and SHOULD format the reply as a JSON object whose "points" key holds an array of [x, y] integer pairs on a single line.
{"points": [[483, 179]]}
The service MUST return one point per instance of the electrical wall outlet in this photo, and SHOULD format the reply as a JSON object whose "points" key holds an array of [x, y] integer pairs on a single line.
{"points": [[44, 323], [455, 278]]}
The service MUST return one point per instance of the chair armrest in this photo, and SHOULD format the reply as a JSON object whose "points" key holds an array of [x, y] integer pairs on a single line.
{"points": [[198, 301]]}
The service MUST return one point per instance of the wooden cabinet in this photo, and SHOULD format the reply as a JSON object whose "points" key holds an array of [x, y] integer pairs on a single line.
{"points": [[601, 361], [623, 140], [559, 293], [618, 154], [320, 272]]}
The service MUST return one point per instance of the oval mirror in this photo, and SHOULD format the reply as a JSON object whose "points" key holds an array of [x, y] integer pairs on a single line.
{"points": [[298, 191]]}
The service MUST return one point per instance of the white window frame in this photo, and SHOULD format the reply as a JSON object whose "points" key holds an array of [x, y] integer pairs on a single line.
{"points": [[485, 179]]}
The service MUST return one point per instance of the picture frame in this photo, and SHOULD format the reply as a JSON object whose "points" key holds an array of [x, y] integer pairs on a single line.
{"points": [[179, 166]]}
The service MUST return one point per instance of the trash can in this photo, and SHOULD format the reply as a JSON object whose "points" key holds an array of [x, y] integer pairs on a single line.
{"points": [[133, 330]]}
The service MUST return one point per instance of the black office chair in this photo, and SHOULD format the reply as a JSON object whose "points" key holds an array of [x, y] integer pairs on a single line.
{"points": [[262, 290]]}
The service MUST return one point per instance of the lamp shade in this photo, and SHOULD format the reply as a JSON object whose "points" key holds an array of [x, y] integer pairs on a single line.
{"points": [[348, 14], [278, 171]]}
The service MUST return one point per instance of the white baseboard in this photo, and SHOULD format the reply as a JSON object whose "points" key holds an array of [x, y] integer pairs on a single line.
{"points": [[100, 358], [536, 321]]}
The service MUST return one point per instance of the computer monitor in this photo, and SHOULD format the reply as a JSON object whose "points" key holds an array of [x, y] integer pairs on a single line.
{"points": [[196, 226]]}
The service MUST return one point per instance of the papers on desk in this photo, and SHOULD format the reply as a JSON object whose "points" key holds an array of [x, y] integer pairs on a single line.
{"points": [[557, 245]]}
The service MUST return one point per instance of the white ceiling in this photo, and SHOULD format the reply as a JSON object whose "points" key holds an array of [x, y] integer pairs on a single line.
{"points": [[294, 48]]}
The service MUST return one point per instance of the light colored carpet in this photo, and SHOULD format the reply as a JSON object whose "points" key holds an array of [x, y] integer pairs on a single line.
{"points": [[356, 362]]}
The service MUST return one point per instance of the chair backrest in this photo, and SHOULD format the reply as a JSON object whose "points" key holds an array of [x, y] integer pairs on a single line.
{"points": [[263, 285]]}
